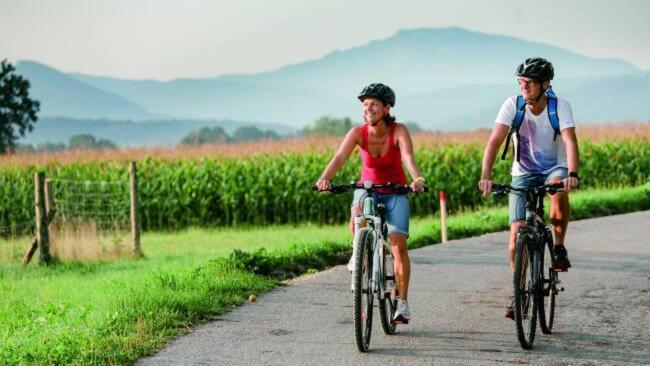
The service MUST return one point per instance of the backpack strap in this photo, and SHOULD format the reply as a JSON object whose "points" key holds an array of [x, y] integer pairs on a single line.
{"points": [[514, 127], [552, 112]]}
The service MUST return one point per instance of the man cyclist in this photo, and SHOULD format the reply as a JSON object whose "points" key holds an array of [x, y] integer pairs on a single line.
{"points": [[541, 158], [384, 145]]}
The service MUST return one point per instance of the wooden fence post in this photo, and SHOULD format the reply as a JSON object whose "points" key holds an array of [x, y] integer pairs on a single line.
{"points": [[135, 222], [49, 216], [42, 232]]}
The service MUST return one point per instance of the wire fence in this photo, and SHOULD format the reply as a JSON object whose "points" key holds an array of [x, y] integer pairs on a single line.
{"points": [[105, 203]]}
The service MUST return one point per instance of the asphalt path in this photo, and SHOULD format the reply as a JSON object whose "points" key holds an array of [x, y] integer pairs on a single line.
{"points": [[457, 297]]}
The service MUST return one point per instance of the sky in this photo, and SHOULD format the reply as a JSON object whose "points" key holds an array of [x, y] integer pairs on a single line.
{"points": [[164, 40]]}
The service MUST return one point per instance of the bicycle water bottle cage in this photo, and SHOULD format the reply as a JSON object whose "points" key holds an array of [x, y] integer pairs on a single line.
{"points": [[368, 206]]}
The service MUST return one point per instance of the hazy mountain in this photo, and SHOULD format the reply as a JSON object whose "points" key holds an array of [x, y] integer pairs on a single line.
{"points": [[62, 95], [444, 78], [419, 60]]}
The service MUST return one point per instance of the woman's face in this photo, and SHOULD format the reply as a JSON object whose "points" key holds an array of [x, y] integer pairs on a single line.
{"points": [[374, 111]]}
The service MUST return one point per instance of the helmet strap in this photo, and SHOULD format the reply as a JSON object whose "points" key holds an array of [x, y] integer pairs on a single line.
{"points": [[534, 101]]}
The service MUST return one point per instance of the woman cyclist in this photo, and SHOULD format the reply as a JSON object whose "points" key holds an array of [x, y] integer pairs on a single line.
{"points": [[385, 144]]}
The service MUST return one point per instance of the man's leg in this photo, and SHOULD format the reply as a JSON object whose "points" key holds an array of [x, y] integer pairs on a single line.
{"points": [[514, 228], [559, 214]]}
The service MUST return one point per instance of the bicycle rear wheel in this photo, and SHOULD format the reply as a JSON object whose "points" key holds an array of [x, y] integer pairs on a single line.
{"points": [[549, 287], [524, 291], [387, 305], [362, 291]]}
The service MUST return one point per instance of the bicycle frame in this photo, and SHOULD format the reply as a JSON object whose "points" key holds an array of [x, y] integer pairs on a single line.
{"points": [[374, 222], [532, 238]]}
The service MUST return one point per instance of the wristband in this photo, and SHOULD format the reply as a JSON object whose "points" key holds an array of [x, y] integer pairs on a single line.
{"points": [[418, 179], [574, 175]]}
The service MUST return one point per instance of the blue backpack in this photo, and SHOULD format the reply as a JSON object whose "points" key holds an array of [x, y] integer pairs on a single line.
{"points": [[519, 118]]}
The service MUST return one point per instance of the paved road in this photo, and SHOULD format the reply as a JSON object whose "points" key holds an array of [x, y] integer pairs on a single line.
{"points": [[458, 292]]}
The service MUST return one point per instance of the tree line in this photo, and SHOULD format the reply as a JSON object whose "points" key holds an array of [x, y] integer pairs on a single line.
{"points": [[80, 141]]}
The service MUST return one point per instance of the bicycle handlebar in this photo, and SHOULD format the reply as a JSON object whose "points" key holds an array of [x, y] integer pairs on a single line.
{"points": [[342, 188], [553, 188]]}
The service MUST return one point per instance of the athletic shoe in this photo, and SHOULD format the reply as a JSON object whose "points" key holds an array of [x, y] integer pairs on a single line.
{"points": [[403, 313], [351, 264], [510, 310], [561, 261]]}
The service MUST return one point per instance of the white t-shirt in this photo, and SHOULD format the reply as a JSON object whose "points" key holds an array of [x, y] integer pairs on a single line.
{"points": [[538, 153]]}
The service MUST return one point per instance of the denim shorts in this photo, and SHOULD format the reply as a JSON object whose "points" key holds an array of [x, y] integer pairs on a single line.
{"points": [[397, 209], [517, 200]]}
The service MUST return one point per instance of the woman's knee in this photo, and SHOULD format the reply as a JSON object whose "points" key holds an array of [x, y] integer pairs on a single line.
{"points": [[398, 242]]}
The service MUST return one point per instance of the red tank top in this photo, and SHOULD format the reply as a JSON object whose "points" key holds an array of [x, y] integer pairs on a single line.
{"points": [[385, 169]]}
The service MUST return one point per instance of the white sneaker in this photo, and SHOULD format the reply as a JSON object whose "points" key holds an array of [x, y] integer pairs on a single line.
{"points": [[351, 261], [403, 313], [351, 264]]}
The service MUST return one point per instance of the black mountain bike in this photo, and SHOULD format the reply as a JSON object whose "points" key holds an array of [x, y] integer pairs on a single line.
{"points": [[373, 261], [535, 281]]}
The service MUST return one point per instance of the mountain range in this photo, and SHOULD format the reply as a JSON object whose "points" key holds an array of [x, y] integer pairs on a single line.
{"points": [[444, 78]]}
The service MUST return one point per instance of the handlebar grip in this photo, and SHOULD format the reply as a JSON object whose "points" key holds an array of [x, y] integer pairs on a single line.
{"points": [[555, 188], [499, 187]]}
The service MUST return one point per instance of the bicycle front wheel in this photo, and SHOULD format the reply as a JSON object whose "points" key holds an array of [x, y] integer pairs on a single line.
{"points": [[548, 287], [524, 290], [362, 275], [387, 305]]}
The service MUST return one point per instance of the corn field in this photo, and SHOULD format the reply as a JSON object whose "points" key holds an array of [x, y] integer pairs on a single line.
{"points": [[276, 188]]}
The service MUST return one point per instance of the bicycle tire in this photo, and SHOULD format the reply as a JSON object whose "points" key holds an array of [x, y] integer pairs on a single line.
{"points": [[387, 305], [362, 291], [549, 290], [524, 291]]}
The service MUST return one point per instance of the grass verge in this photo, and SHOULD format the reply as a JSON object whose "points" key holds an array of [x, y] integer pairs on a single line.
{"points": [[114, 313]]}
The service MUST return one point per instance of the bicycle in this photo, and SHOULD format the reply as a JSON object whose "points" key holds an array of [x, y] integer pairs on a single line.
{"points": [[373, 262], [534, 289]]}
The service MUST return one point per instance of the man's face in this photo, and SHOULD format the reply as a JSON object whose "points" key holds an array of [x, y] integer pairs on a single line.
{"points": [[530, 89], [374, 110]]}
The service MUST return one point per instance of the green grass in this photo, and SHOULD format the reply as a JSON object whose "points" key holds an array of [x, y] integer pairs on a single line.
{"points": [[116, 312]]}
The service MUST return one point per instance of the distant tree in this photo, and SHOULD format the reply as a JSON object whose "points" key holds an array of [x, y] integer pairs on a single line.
{"points": [[17, 110], [327, 125], [86, 141], [271, 135], [413, 127], [50, 147], [206, 135], [24, 148], [252, 133], [105, 144]]}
